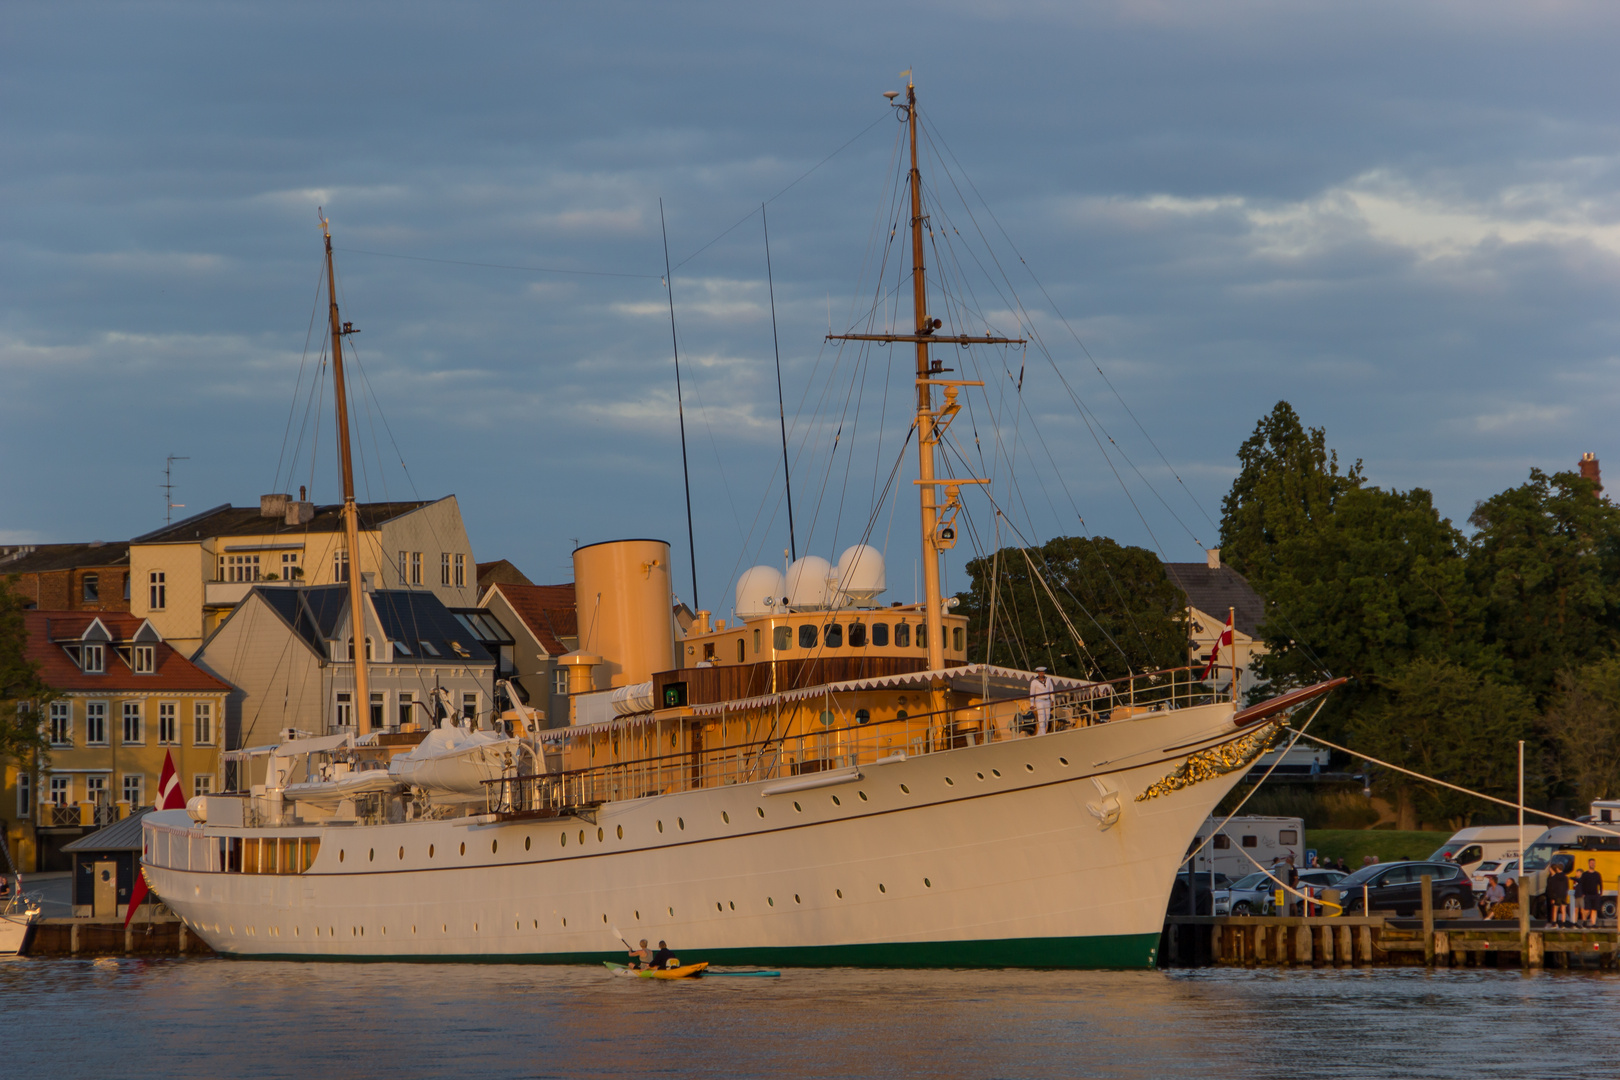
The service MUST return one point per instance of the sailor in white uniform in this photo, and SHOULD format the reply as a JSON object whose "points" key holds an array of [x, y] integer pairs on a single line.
{"points": [[1040, 699]]}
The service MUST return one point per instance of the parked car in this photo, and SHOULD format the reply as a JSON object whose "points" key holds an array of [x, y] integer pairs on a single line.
{"points": [[1202, 902], [1485, 871], [1398, 887], [1250, 895]]}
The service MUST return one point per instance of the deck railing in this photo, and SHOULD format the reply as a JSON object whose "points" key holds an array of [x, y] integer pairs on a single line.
{"points": [[782, 756]]}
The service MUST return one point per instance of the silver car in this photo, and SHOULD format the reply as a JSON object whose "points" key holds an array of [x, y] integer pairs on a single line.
{"points": [[1252, 895]]}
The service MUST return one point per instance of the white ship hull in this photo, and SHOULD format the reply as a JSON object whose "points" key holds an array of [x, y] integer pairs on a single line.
{"points": [[13, 929], [934, 860]]}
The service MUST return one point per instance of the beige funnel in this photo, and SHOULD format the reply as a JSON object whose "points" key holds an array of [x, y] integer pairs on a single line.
{"points": [[623, 598]]}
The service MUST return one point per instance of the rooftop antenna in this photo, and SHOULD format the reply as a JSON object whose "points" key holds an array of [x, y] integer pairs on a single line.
{"points": [[169, 505], [781, 409]]}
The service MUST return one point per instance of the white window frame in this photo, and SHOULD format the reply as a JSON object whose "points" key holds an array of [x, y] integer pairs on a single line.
{"points": [[340, 566], [157, 590], [461, 570], [168, 723], [202, 784], [95, 711], [61, 723], [25, 794], [402, 564], [444, 568], [87, 584], [144, 659], [343, 709], [416, 568], [289, 565], [202, 723], [476, 702], [559, 681], [61, 790], [136, 781], [93, 659], [137, 710], [96, 784], [404, 708]]}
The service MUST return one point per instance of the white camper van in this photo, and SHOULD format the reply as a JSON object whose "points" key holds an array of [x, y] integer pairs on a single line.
{"points": [[1265, 840], [1471, 849]]}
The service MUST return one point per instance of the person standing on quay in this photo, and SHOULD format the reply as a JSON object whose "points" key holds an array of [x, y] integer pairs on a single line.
{"points": [[1590, 888], [1558, 895], [1040, 699]]}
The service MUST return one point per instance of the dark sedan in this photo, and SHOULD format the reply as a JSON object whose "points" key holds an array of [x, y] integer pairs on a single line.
{"points": [[1398, 887]]}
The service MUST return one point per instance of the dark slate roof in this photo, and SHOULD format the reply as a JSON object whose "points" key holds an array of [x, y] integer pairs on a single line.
{"points": [[500, 571], [43, 558], [1213, 591], [228, 520], [408, 616], [119, 836]]}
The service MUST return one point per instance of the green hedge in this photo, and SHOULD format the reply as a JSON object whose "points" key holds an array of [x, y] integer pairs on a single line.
{"points": [[1388, 844]]}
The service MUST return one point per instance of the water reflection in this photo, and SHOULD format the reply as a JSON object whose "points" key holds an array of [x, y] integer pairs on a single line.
{"points": [[209, 1018]]}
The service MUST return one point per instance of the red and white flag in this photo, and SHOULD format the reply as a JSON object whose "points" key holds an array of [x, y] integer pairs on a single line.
{"points": [[1221, 642], [169, 796]]}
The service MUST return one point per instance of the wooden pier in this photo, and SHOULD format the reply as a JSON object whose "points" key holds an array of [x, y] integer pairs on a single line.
{"points": [[1351, 941], [163, 936]]}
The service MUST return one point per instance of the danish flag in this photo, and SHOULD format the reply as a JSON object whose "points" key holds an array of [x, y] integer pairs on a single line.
{"points": [[169, 797], [1224, 640]]}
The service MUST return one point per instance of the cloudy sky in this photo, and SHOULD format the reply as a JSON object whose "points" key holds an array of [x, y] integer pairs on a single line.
{"points": [[1400, 217]]}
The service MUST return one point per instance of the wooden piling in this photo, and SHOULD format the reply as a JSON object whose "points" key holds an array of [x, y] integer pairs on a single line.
{"points": [[1344, 953], [1302, 943], [1427, 893], [1536, 949]]}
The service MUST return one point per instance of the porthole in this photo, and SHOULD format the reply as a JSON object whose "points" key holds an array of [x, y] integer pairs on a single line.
{"points": [[565, 921], [995, 772], [725, 817], [770, 901], [1063, 761], [799, 808], [430, 851], [413, 928], [296, 932], [718, 906], [401, 854], [599, 835], [862, 794], [475, 928], [340, 854], [905, 789], [621, 832], [882, 887], [582, 836], [796, 899], [672, 913], [444, 928], [836, 801], [564, 839], [733, 904], [840, 893], [1029, 767], [494, 845], [638, 916], [371, 855], [604, 918], [681, 822], [527, 841], [980, 776], [464, 847], [660, 826], [927, 884], [516, 925], [760, 810], [949, 782]]}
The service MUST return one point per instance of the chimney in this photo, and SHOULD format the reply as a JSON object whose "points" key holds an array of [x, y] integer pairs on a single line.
{"points": [[1213, 555], [1590, 471], [273, 505]]}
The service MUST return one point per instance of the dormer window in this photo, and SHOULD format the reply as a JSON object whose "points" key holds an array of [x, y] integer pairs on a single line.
{"points": [[145, 659], [93, 658]]}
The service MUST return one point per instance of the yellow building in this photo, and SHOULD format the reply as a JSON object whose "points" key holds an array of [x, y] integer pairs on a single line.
{"points": [[126, 701], [187, 577]]}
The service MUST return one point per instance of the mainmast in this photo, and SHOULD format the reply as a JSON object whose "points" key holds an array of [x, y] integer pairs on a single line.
{"points": [[351, 516], [938, 521]]}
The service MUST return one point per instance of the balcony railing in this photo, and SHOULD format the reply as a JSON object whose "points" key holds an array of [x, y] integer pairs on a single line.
{"points": [[807, 753]]}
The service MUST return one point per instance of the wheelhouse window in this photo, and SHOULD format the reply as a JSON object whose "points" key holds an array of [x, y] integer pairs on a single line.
{"points": [[902, 635], [145, 659], [857, 635], [880, 634], [782, 638], [922, 635], [956, 638], [741, 651], [834, 636], [90, 588], [807, 637]]}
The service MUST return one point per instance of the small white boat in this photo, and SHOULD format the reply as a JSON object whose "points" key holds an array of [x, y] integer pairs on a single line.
{"points": [[454, 764], [16, 912]]}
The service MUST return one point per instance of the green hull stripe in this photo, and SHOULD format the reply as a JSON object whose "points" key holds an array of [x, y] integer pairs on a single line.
{"points": [[1114, 951]]}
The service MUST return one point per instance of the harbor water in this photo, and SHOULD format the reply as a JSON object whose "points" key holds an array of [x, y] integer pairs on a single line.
{"points": [[217, 1018]]}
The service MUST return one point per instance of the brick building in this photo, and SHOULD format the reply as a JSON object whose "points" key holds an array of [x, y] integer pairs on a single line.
{"points": [[69, 577]]}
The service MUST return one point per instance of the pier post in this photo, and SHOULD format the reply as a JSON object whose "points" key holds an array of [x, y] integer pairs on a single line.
{"points": [[1327, 943], [1427, 893], [1364, 932], [1536, 950], [73, 938], [1344, 953], [129, 941], [1525, 960], [1442, 947], [181, 949], [1260, 935], [1302, 942]]}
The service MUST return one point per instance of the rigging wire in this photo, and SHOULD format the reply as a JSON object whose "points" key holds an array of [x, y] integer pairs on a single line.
{"points": [[669, 285]]}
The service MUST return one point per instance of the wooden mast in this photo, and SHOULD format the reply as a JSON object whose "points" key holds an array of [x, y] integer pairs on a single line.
{"points": [[937, 537], [351, 516]]}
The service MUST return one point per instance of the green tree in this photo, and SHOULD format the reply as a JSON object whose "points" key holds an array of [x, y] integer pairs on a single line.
{"points": [[1443, 719], [1128, 614], [23, 694], [1546, 558], [1290, 481], [1582, 727]]}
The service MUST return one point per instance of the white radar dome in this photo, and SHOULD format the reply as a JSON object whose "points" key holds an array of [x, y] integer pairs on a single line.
{"points": [[760, 591], [860, 575], [807, 582]]}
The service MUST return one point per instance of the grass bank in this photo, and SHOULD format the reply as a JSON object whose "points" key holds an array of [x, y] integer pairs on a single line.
{"points": [[1388, 844]]}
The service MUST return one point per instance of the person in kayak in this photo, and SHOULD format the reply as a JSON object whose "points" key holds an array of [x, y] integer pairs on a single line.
{"points": [[663, 958], [641, 958]]}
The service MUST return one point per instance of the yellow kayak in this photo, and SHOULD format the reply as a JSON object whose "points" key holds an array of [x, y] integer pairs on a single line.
{"points": [[687, 971]]}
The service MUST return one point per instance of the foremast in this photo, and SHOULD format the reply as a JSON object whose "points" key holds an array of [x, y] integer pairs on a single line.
{"points": [[351, 516], [938, 518]]}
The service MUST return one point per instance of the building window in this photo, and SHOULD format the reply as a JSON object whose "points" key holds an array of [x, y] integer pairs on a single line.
{"points": [[157, 591], [168, 723], [201, 784], [95, 790], [461, 570], [289, 566], [61, 723], [368, 648], [93, 658], [416, 568], [61, 790], [202, 723], [340, 566], [134, 786], [95, 723], [377, 704], [345, 710], [90, 588], [239, 568], [402, 577], [126, 587], [444, 568], [145, 659], [407, 706], [25, 795], [132, 723], [469, 707], [559, 681]]}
